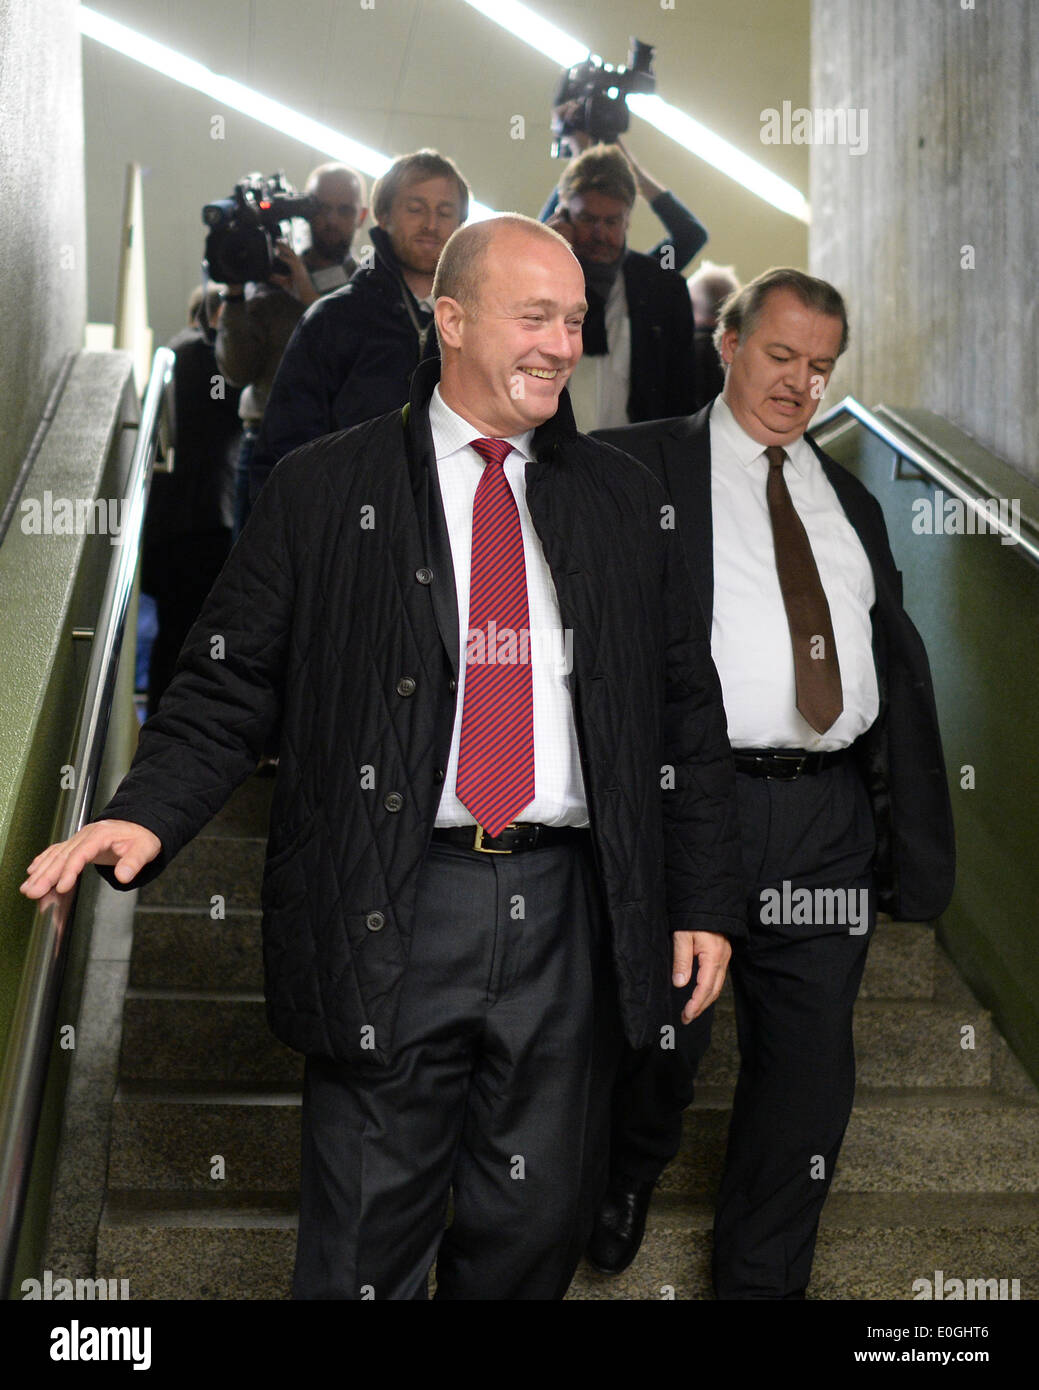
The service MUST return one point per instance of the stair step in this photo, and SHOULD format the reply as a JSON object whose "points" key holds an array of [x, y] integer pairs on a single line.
{"points": [[215, 1036], [919, 1139], [167, 1139], [247, 810], [896, 1044], [965, 1140], [230, 1209], [185, 948], [869, 1247], [213, 1246], [900, 962], [211, 865]]}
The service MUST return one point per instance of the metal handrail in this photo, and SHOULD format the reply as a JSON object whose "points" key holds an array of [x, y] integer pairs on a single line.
{"points": [[932, 471], [32, 1025]]}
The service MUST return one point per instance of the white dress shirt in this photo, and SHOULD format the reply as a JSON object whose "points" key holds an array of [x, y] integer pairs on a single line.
{"points": [[599, 387], [559, 794], [750, 635]]}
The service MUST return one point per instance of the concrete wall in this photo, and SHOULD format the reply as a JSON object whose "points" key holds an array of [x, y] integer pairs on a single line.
{"points": [[42, 247], [953, 105], [932, 234]]}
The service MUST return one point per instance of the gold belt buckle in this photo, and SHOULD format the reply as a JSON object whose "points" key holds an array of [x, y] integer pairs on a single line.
{"points": [[478, 841]]}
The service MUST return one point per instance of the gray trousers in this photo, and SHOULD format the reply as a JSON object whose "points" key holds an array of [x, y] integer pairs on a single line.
{"points": [[497, 1095]]}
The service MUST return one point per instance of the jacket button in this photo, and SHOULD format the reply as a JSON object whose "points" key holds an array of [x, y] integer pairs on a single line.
{"points": [[424, 575], [394, 801], [406, 685], [375, 921], [452, 686], [439, 775]]}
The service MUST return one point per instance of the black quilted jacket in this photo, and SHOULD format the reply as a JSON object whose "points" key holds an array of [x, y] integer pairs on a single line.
{"points": [[350, 359], [339, 626]]}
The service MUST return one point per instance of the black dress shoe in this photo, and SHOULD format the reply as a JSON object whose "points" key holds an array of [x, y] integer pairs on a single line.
{"points": [[619, 1225]]}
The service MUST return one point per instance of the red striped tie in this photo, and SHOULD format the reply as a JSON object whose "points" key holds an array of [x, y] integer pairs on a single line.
{"points": [[495, 777]]}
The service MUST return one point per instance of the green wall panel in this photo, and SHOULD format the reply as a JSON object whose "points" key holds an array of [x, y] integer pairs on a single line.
{"points": [[976, 603]]}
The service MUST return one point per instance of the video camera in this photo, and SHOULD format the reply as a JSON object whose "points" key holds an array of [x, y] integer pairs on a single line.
{"points": [[602, 91], [244, 228]]}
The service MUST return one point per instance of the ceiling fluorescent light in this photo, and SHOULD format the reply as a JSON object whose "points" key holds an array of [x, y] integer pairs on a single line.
{"points": [[669, 120], [521, 21], [564, 50], [225, 90]]}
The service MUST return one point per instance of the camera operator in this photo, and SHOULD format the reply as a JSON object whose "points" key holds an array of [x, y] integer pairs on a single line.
{"points": [[352, 355], [686, 234], [638, 333], [254, 329]]}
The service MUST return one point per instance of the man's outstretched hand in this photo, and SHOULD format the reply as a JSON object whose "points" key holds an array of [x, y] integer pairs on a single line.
{"points": [[120, 842], [712, 952]]}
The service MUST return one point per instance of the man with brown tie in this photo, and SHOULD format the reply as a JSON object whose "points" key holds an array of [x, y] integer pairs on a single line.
{"points": [[844, 805], [475, 858]]}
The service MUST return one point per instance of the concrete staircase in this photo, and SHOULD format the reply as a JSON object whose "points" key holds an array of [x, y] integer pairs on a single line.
{"points": [[939, 1170]]}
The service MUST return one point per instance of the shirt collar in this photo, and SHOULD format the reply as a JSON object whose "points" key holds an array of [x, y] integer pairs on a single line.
{"points": [[748, 450], [451, 432]]}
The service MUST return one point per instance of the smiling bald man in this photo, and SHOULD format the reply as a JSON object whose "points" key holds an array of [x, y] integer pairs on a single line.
{"points": [[504, 815]]}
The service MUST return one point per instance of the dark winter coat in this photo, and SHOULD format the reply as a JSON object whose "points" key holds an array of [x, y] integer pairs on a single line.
{"points": [[349, 360], [663, 367], [339, 624]]}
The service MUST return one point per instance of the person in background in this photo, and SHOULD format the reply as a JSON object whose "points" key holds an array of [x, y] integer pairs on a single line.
{"points": [[843, 797], [352, 355], [258, 320], [187, 529], [638, 332], [709, 286], [686, 234]]}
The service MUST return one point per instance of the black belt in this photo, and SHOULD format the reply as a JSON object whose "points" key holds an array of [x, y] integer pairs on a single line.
{"points": [[514, 839], [784, 764]]}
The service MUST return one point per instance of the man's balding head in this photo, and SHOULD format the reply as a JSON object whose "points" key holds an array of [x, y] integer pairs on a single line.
{"points": [[460, 264], [509, 306], [341, 195]]}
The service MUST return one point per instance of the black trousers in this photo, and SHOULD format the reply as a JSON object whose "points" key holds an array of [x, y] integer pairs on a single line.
{"points": [[795, 980], [497, 1093]]}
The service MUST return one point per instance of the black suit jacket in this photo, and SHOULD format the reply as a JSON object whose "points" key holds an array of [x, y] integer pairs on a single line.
{"points": [[663, 377], [901, 755]]}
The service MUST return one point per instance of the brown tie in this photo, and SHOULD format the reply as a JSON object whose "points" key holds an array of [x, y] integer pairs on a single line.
{"points": [[816, 669]]}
